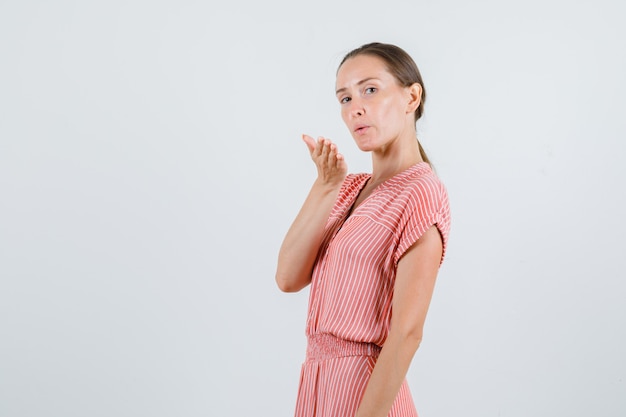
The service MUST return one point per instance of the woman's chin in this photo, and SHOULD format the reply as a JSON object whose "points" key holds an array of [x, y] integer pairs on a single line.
{"points": [[364, 146]]}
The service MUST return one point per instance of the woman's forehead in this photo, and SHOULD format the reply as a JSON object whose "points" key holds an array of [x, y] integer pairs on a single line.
{"points": [[359, 68]]}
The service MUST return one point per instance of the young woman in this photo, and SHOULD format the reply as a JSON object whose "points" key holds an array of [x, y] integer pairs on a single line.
{"points": [[370, 245]]}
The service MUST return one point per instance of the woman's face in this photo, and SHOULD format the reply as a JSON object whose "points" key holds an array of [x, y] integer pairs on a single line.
{"points": [[374, 106]]}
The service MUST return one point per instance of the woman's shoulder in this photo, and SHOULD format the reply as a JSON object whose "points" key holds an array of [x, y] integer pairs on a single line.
{"points": [[350, 188], [419, 180], [354, 181]]}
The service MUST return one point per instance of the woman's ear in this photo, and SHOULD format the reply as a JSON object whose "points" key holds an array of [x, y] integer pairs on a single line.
{"points": [[415, 97]]}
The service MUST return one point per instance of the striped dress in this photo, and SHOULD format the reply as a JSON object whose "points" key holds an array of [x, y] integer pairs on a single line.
{"points": [[352, 287]]}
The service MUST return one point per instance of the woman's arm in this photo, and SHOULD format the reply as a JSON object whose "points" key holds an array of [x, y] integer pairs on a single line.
{"points": [[299, 248], [415, 282]]}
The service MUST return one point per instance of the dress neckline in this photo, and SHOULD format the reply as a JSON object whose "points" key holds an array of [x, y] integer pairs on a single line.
{"points": [[400, 175], [365, 178]]}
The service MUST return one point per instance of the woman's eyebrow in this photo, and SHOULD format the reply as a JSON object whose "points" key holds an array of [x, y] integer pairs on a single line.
{"points": [[341, 90]]}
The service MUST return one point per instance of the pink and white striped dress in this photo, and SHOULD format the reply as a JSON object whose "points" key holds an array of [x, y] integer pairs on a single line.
{"points": [[352, 287]]}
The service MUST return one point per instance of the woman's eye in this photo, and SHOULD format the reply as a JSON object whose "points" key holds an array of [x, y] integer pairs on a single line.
{"points": [[344, 100], [370, 90]]}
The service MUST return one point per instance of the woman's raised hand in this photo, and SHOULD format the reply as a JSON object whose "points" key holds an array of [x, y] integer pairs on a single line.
{"points": [[331, 167], [302, 243]]}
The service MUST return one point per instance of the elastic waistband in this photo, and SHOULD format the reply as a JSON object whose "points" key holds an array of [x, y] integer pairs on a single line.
{"points": [[327, 346]]}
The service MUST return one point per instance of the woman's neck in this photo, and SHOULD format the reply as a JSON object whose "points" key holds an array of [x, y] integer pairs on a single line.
{"points": [[394, 159]]}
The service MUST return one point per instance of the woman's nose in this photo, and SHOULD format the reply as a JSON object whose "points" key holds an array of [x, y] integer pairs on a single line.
{"points": [[356, 108]]}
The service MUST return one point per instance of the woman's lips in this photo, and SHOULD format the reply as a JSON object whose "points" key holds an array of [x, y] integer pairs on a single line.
{"points": [[361, 129]]}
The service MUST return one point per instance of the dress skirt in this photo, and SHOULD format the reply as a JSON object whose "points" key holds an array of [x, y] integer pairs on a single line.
{"points": [[334, 377]]}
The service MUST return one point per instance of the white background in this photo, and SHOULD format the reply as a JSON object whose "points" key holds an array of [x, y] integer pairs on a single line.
{"points": [[151, 162]]}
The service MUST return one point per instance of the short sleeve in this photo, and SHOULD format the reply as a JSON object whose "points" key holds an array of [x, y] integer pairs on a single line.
{"points": [[426, 204]]}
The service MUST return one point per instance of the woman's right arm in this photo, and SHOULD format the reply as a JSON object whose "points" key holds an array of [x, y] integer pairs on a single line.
{"points": [[301, 244]]}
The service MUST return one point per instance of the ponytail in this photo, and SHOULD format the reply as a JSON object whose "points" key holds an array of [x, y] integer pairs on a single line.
{"points": [[423, 154]]}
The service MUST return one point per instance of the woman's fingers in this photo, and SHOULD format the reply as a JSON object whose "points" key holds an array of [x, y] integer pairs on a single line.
{"points": [[330, 163], [334, 158], [310, 143], [325, 149], [316, 147]]}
